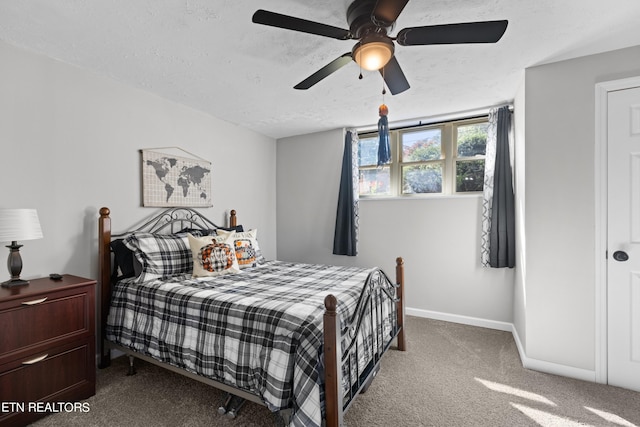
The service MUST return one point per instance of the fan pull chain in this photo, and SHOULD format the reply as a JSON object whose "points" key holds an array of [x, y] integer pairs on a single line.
{"points": [[384, 89]]}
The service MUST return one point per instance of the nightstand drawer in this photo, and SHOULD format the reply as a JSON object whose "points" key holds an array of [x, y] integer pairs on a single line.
{"points": [[63, 374], [45, 320]]}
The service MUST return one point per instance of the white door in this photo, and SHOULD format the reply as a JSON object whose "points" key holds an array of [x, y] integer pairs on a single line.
{"points": [[623, 240]]}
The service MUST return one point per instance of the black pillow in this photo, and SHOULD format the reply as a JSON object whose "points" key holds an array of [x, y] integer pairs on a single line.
{"points": [[237, 228], [198, 232], [123, 262]]}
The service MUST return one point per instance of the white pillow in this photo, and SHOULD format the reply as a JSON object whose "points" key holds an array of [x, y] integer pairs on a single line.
{"points": [[246, 245], [213, 255]]}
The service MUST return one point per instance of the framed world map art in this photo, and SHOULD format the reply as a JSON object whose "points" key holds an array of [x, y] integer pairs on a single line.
{"points": [[170, 180]]}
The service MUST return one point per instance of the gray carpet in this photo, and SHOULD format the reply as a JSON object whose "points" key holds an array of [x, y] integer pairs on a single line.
{"points": [[452, 375]]}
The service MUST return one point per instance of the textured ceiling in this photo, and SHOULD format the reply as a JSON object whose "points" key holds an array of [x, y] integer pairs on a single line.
{"points": [[208, 55]]}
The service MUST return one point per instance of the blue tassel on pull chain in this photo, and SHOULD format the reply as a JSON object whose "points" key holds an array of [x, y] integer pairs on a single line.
{"points": [[384, 150]]}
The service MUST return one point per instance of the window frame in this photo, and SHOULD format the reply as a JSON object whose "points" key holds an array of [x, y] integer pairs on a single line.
{"points": [[449, 159]]}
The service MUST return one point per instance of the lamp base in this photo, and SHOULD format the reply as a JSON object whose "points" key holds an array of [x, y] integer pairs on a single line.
{"points": [[14, 263], [14, 282]]}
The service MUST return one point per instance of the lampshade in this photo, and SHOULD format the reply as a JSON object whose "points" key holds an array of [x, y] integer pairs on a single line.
{"points": [[19, 224], [373, 52]]}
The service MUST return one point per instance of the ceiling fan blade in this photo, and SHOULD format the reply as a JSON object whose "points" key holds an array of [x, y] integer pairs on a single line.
{"points": [[386, 12], [297, 24], [323, 72], [469, 32], [394, 77]]}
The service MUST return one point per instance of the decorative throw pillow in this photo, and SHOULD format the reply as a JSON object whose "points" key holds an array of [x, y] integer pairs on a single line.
{"points": [[213, 255], [246, 247], [161, 255]]}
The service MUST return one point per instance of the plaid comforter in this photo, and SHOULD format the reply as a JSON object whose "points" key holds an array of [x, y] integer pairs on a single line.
{"points": [[259, 330]]}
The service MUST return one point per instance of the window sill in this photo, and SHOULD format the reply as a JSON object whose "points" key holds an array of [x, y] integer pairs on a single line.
{"points": [[422, 197]]}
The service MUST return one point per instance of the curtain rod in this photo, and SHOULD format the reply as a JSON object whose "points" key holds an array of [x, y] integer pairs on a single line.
{"points": [[461, 115]]}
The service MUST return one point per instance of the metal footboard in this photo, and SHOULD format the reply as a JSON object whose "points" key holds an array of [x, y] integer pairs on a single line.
{"points": [[377, 311], [380, 308]]}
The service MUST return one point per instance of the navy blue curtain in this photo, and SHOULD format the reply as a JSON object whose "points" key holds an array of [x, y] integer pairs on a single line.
{"points": [[502, 249], [345, 236]]}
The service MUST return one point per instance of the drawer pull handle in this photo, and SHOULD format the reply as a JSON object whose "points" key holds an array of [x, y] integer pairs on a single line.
{"points": [[35, 301], [36, 360]]}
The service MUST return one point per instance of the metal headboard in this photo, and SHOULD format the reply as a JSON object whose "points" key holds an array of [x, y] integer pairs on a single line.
{"points": [[173, 220]]}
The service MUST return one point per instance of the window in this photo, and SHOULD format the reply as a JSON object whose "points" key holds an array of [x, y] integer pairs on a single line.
{"points": [[443, 158]]}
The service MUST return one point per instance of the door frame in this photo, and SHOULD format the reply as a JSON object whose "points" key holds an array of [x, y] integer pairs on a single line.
{"points": [[601, 218]]}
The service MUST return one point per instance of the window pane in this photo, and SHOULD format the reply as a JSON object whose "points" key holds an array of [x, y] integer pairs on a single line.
{"points": [[368, 151], [375, 181], [472, 139], [421, 145], [469, 176], [422, 178]]}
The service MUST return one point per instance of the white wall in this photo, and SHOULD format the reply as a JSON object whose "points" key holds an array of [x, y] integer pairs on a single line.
{"points": [[69, 142], [439, 238], [519, 286], [560, 205]]}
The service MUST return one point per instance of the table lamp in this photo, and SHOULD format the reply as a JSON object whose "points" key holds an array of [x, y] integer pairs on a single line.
{"points": [[15, 225]]}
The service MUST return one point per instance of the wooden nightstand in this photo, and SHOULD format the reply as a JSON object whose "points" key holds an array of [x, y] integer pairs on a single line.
{"points": [[47, 347]]}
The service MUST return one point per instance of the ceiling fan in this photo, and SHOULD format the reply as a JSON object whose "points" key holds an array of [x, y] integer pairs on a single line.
{"points": [[370, 21]]}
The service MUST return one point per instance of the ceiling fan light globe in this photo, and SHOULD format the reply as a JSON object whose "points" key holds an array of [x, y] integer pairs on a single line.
{"points": [[373, 55]]}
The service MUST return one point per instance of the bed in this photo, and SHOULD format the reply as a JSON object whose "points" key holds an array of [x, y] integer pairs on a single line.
{"points": [[302, 339]]}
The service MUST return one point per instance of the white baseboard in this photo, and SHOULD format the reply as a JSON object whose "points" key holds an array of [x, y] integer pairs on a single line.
{"points": [[465, 320], [114, 353], [550, 367], [527, 362]]}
